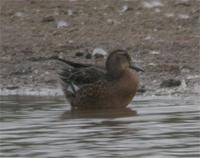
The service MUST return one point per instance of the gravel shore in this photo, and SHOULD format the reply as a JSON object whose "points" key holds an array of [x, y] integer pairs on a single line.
{"points": [[163, 37]]}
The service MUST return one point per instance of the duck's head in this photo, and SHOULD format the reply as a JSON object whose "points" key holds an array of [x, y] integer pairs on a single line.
{"points": [[118, 62]]}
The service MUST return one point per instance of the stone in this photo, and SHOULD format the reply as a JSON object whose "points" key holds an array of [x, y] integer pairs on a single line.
{"points": [[142, 89], [170, 83], [99, 52], [88, 56], [48, 19], [124, 8], [79, 54], [12, 87], [62, 23]]}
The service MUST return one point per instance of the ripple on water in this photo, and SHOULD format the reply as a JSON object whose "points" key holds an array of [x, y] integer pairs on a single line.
{"points": [[39, 127]]}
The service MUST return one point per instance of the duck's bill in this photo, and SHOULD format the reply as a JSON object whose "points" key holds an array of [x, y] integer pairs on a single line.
{"points": [[136, 68]]}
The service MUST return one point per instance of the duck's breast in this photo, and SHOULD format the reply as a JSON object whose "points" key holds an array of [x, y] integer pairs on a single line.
{"points": [[126, 88]]}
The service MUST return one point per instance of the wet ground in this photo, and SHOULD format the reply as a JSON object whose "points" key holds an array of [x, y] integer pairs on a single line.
{"points": [[161, 36], [164, 127]]}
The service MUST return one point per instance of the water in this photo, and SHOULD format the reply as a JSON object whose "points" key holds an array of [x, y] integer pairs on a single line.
{"points": [[164, 127]]}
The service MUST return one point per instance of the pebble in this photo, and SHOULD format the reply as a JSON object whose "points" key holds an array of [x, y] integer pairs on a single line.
{"points": [[153, 52], [62, 23], [79, 54], [48, 19], [157, 10], [148, 37], [69, 12], [19, 14], [142, 89], [152, 4], [183, 16], [12, 87], [169, 15], [99, 52], [124, 8], [170, 83], [88, 56]]}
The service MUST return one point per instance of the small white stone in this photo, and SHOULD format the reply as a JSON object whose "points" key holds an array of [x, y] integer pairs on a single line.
{"points": [[183, 85], [169, 15], [61, 24], [56, 12], [69, 12], [152, 4], [61, 55], [189, 77], [19, 14], [99, 51], [152, 64], [138, 13], [112, 21], [109, 21], [155, 81], [71, 41], [36, 71], [157, 10], [185, 70], [183, 16], [148, 37], [153, 52], [124, 8], [155, 30]]}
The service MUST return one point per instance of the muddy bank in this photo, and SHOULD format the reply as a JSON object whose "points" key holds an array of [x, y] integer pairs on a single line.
{"points": [[161, 36]]}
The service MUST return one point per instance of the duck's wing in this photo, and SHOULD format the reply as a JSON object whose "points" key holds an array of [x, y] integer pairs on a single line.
{"points": [[82, 76], [79, 73], [72, 80]]}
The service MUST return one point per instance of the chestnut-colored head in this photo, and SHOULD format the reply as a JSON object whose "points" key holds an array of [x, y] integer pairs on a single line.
{"points": [[119, 61]]}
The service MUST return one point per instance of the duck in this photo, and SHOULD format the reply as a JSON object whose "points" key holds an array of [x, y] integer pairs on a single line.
{"points": [[113, 86]]}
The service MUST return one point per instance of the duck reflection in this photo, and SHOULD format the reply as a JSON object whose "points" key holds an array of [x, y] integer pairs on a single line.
{"points": [[99, 113]]}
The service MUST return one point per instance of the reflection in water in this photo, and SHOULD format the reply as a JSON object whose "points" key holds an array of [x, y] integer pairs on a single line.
{"points": [[44, 127], [99, 113]]}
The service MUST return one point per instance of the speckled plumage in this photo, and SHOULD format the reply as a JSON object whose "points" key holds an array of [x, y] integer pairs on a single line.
{"points": [[112, 87]]}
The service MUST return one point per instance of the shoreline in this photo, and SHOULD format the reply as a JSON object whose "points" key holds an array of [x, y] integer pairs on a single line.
{"points": [[53, 92]]}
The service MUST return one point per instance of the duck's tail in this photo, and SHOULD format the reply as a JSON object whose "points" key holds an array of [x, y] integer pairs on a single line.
{"points": [[71, 63], [69, 89]]}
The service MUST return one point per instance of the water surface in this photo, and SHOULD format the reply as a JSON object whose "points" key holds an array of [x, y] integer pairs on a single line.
{"points": [[44, 127]]}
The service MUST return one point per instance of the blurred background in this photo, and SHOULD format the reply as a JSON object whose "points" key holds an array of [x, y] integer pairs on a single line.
{"points": [[161, 36]]}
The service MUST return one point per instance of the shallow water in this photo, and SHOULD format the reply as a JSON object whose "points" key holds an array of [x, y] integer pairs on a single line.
{"points": [[43, 127]]}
